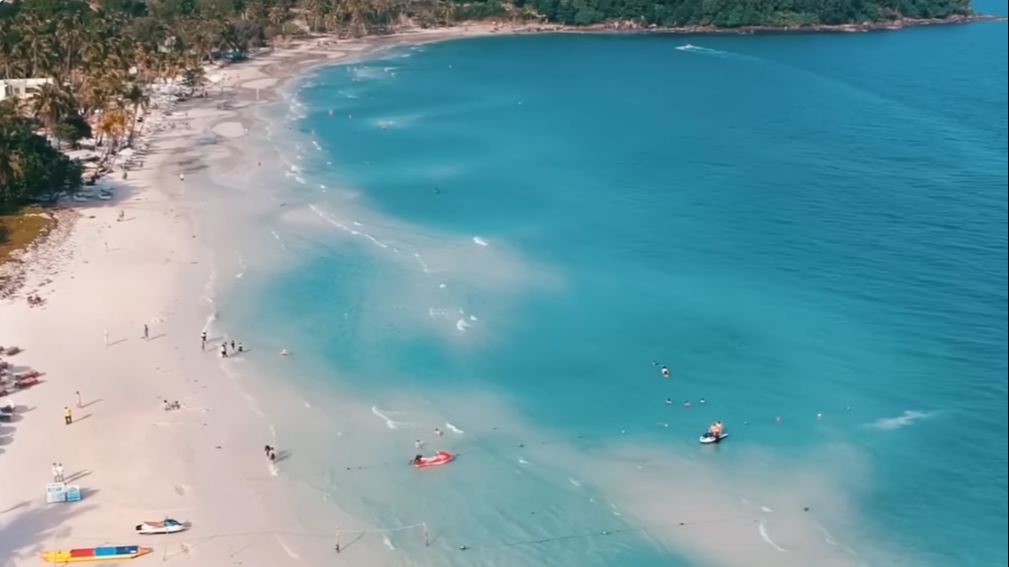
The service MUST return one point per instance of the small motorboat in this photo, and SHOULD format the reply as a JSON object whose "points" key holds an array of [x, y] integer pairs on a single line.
{"points": [[709, 438], [104, 553], [439, 458], [168, 526]]}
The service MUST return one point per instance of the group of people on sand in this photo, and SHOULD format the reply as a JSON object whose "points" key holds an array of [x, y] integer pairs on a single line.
{"points": [[35, 301], [271, 453], [169, 406]]}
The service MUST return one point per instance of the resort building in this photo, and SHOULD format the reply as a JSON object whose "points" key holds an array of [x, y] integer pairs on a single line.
{"points": [[20, 88]]}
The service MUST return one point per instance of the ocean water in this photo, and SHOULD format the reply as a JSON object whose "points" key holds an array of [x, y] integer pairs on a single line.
{"points": [[512, 234]]}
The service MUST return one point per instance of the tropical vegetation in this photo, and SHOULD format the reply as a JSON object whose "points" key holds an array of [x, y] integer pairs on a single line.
{"points": [[102, 56]]}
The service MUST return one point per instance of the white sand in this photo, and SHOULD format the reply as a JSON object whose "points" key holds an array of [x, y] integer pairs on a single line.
{"points": [[230, 129], [133, 460]]}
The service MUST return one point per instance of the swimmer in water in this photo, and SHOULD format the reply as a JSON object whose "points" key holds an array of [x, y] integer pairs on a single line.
{"points": [[418, 444], [283, 352], [665, 372], [686, 404], [701, 401], [669, 401], [437, 432]]}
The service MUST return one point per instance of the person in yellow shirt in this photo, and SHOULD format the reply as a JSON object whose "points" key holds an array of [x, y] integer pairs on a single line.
{"points": [[68, 416]]}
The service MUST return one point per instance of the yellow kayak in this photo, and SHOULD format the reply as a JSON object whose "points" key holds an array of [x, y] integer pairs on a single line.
{"points": [[104, 553]]}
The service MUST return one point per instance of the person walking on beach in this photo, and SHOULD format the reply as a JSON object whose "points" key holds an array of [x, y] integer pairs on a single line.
{"points": [[224, 350], [232, 345], [182, 176], [56, 472], [78, 396], [203, 340], [68, 416], [146, 331], [59, 473]]}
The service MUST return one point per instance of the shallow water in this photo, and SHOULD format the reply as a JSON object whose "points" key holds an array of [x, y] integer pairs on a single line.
{"points": [[512, 234]]}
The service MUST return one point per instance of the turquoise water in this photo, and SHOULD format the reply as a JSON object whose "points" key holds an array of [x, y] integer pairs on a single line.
{"points": [[795, 225]]}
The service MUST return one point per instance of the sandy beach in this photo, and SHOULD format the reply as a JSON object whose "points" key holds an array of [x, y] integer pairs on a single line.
{"points": [[112, 273], [128, 287]]}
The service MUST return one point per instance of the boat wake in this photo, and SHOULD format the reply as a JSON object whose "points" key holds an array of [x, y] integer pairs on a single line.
{"points": [[903, 420], [697, 49]]}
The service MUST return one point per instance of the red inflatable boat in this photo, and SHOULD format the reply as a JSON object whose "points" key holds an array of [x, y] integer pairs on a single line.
{"points": [[439, 458]]}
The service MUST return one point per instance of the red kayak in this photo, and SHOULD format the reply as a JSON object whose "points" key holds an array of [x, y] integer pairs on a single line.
{"points": [[439, 458]]}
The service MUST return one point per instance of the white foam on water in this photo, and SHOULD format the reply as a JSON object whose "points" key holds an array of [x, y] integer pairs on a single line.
{"points": [[273, 469], [278, 239], [442, 285], [453, 428], [389, 422], [462, 325], [346, 228], [903, 420], [420, 260], [364, 73], [523, 462], [308, 405], [765, 509], [828, 538], [388, 542], [208, 291], [574, 482], [385, 123], [764, 535], [436, 312], [478, 240]]}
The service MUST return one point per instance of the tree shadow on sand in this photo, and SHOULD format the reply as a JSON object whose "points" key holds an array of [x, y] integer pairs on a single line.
{"points": [[26, 526]]}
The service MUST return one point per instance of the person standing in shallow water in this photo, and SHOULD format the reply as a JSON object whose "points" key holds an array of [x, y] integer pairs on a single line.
{"points": [[665, 372], [203, 340]]}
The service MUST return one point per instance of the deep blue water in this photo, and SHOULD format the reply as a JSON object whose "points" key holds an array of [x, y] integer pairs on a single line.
{"points": [[792, 223]]}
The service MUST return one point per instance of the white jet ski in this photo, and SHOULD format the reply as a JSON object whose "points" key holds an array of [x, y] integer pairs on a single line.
{"points": [[168, 526], [709, 438]]}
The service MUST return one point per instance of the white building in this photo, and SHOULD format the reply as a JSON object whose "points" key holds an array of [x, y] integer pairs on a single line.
{"points": [[20, 88]]}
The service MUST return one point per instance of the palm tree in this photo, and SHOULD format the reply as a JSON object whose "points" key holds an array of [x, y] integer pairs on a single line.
{"points": [[113, 124], [138, 99], [50, 104]]}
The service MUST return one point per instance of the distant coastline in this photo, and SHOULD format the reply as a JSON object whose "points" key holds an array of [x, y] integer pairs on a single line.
{"points": [[624, 26]]}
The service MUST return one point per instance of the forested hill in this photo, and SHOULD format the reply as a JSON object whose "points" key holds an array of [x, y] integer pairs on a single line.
{"points": [[263, 19], [737, 13]]}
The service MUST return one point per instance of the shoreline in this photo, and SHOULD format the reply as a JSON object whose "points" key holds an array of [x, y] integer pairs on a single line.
{"points": [[701, 29], [197, 460], [158, 270]]}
